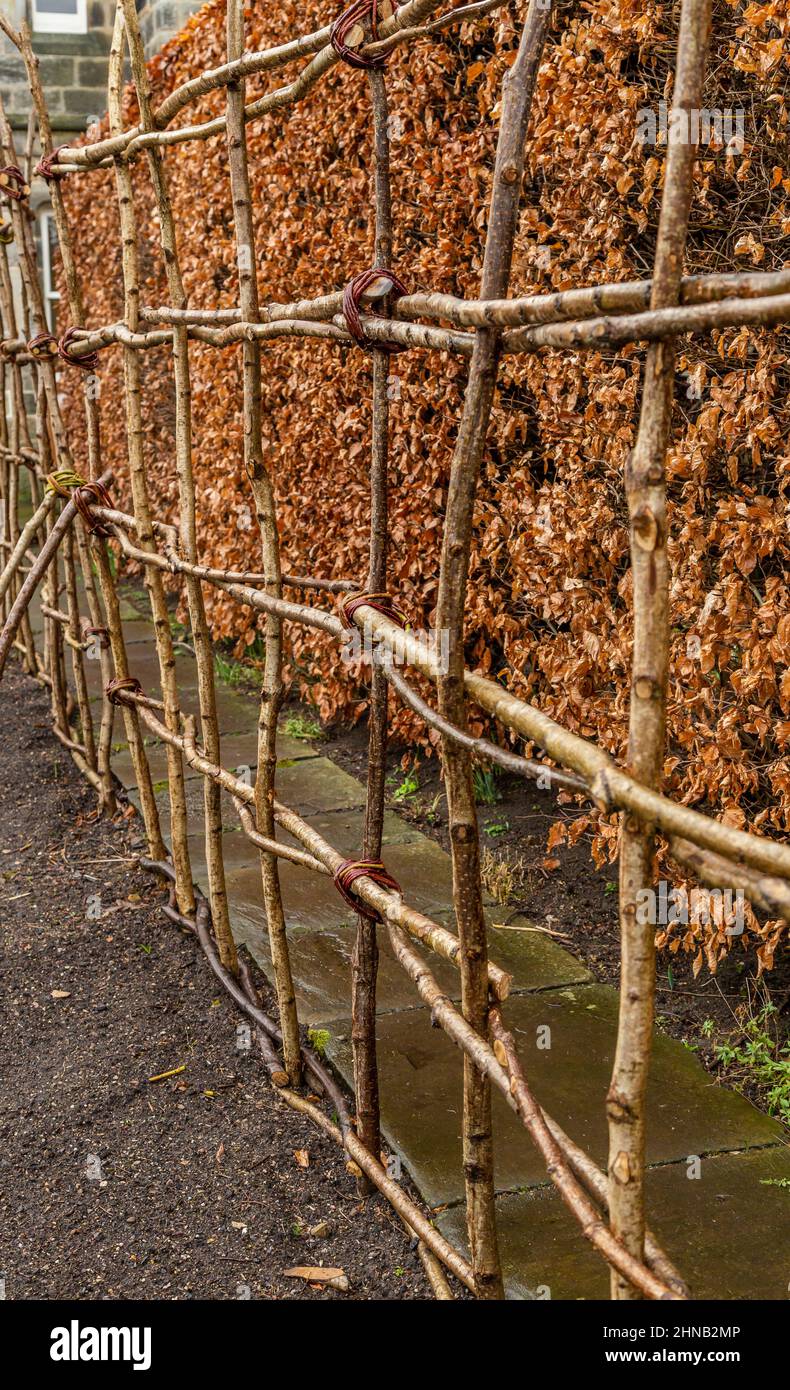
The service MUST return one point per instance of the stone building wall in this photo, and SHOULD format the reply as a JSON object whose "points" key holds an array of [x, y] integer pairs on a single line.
{"points": [[160, 19], [74, 66], [73, 70]]}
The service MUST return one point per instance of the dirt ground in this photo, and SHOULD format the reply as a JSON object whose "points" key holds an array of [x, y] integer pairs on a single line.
{"points": [[115, 1185]]}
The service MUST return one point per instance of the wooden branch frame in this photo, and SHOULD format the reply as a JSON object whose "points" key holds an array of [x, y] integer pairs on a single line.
{"points": [[609, 1208]]}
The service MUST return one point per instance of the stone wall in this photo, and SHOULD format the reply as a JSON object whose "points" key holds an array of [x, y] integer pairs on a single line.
{"points": [[74, 74], [160, 19], [74, 66], [73, 69]]}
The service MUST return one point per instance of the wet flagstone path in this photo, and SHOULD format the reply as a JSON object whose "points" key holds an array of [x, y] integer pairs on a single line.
{"points": [[728, 1228]]}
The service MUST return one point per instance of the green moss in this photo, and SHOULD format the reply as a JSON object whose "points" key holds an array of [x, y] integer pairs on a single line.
{"points": [[318, 1039]]}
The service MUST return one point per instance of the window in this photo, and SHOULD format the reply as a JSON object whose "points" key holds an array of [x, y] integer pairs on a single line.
{"points": [[60, 16], [49, 249]]}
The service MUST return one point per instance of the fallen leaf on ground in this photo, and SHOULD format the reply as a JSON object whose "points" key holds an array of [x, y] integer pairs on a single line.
{"points": [[318, 1274], [302, 1157]]}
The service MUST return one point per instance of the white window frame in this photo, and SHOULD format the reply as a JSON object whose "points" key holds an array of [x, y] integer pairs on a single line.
{"points": [[45, 23], [51, 294]]}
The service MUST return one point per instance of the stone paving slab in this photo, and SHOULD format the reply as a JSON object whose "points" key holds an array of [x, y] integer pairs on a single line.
{"points": [[318, 786], [236, 713], [136, 627], [308, 785], [34, 611], [136, 623], [321, 965], [313, 902], [194, 806], [534, 959], [711, 1227], [340, 843], [420, 1077], [239, 751], [144, 664], [345, 828], [239, 856]]}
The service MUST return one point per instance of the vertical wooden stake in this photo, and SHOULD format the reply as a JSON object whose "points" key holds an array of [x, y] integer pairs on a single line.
{"points": [[179, 829], [204, 653], [365, 958], [645, 483], [518, 88], [263, 496]]}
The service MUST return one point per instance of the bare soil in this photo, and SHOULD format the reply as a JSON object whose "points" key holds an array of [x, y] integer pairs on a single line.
{"points": [[114, 1185]]}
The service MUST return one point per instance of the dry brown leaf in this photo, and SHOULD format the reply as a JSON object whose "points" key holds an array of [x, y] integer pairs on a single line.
{"points": [[319, 1274]]}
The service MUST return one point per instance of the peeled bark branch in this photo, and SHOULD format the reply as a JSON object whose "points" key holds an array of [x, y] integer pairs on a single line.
{"points": [[179, 829], [36, 573], [147, 137], [517, 92], [263, 496], [645, 483], [760, 302], [186, 490]]}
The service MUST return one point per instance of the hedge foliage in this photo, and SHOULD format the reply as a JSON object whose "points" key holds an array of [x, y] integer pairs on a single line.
{"points": [[549, 603]]}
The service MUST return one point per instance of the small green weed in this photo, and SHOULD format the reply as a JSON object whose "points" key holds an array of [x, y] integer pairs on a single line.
{"points": [[495, 828], [318, 1039], [228, 670], [485, 789], [408, 787], [302, 726], [754, 1054]]}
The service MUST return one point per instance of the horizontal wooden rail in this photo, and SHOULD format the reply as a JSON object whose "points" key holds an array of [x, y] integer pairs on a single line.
{"points": [[711, 303], [609, 785]]}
